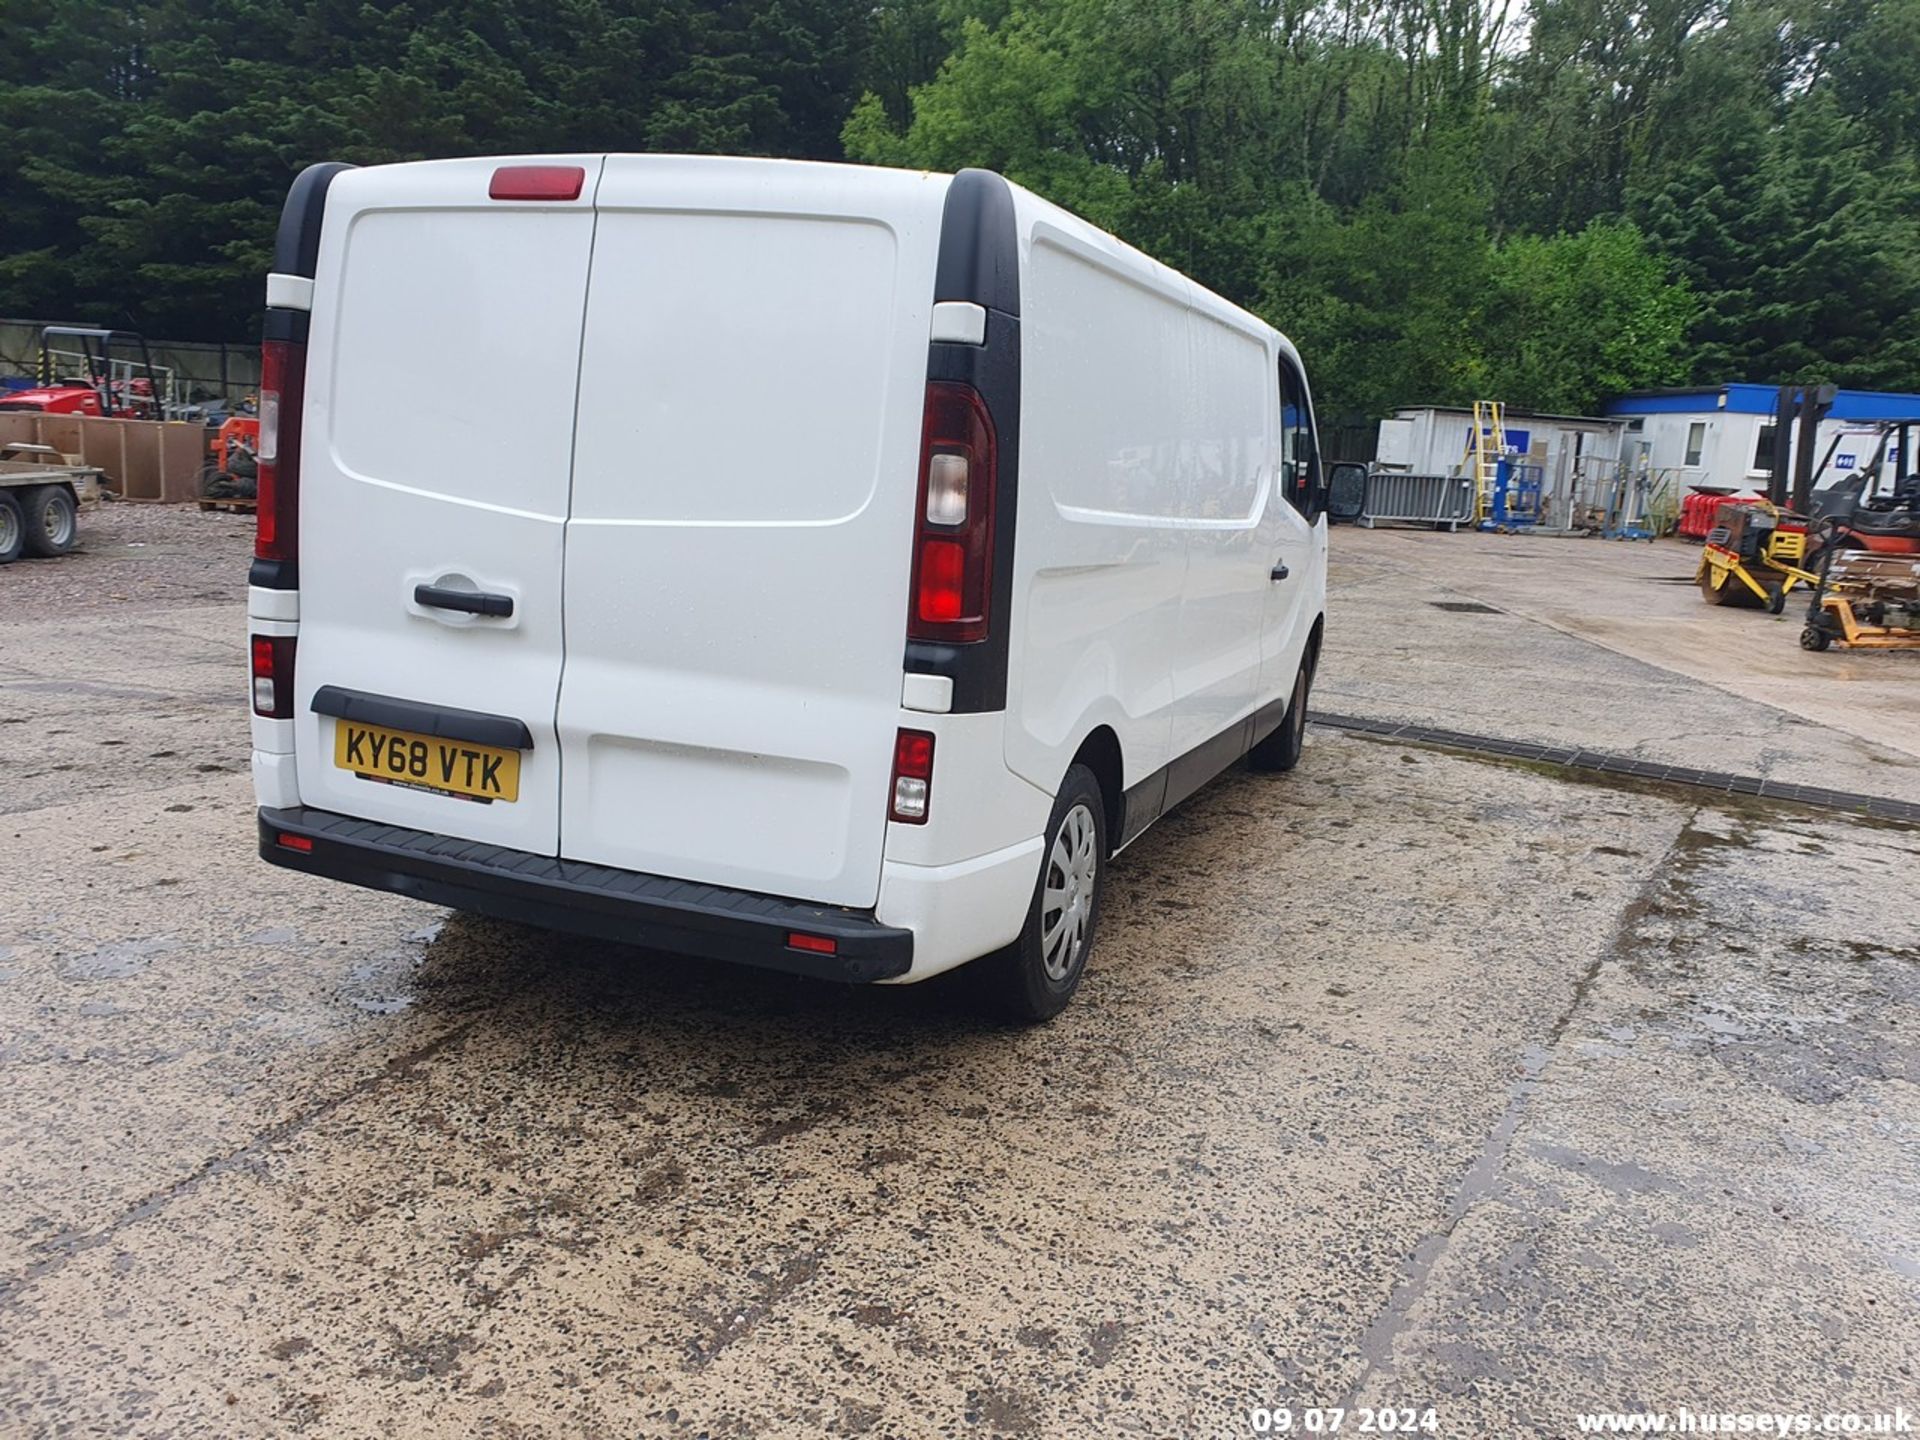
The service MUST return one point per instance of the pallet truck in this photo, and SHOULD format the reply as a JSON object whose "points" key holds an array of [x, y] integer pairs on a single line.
{"points": [[1864, 599]]}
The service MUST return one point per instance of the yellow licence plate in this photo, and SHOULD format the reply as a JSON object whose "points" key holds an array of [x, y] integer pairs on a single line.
{"points": [[425, 762]]}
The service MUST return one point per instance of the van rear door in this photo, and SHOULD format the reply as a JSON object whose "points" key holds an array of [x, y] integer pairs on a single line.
{"points": [[738, 557], [440, 386]]}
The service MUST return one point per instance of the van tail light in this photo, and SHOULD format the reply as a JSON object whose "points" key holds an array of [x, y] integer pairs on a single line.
{"points": [[813, 944], [283, 383], [912, 777], [273, 676], [953, 536]]}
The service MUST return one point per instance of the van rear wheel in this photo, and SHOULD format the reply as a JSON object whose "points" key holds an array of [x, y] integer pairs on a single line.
{"points": [[1034, 978]]}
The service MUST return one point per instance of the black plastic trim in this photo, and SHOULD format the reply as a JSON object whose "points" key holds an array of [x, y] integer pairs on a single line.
{"points": [[274, 574], [979, 262], [470, 602], [296, 244], [1143, 804], [979, 255], [284, 324], [595, 900], [1186, 774], [474, 726]]}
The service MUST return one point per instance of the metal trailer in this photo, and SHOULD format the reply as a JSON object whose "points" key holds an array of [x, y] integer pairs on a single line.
{"points": [[41, 496]]}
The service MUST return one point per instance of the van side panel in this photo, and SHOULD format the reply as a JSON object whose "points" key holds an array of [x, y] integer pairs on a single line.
{"points": [[1151, 527], [1100, 562], [738, 557]]}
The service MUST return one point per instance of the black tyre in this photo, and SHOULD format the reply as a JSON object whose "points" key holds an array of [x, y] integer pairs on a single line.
{"points": [[1280, 751], [52, 520], [13, 528], [1814, 638], [1034, 978], [1776, 601]]}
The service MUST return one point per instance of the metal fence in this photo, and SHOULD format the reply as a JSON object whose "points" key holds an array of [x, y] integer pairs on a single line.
{"points": [[1419, 499]]}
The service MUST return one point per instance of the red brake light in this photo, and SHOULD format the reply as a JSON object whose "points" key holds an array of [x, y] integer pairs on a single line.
{"points": [[273, 676], [816, 944], [537, 182], [283, 383], [912, 777], [953, 541]]}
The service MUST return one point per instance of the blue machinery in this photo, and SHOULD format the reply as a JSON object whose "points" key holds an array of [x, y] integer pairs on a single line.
{"points": [[1516, 501], [1506, 493]]}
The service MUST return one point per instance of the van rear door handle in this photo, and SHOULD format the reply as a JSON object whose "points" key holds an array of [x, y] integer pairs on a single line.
{"points": [[1280, 572], [474, 602]]}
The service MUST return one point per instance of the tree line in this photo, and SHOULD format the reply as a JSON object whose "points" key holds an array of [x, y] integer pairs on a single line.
{"points": [[1438, 199]]}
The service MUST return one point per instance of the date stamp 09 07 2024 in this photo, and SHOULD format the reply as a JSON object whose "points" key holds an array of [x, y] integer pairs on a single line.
{"points": [[1338, 1419]]}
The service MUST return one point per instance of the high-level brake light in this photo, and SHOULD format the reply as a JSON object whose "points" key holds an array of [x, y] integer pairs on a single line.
{"points": [[537, 182]]}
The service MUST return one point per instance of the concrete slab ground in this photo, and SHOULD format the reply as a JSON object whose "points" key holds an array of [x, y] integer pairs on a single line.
{"points": [[1408, 1080], [1608, 645]]}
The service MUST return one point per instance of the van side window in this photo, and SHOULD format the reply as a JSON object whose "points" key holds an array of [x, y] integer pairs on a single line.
{"points": [[1299, 455]]}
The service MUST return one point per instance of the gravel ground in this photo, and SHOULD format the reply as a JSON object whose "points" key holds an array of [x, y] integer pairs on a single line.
{"points": [[135, 554]]}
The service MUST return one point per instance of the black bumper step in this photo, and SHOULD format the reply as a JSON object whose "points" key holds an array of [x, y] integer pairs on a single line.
{"points": [[684, 916]]}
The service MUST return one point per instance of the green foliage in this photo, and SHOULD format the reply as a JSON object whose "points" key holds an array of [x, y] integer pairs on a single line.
{"points": [[150, 142], [1583, 315], [1439, 199]]}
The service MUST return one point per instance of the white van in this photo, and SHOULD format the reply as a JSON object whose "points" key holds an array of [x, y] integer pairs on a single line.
{"points": [[815, 566]]}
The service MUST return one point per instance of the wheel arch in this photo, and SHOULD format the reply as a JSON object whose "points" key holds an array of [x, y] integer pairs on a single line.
{"points": [[1100, 753]]}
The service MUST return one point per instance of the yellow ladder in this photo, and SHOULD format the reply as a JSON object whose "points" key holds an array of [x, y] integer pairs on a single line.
{"points": [[1485, 443]]}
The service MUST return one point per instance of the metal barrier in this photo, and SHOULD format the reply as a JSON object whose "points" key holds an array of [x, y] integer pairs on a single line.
{"points": [[1423, 499]]}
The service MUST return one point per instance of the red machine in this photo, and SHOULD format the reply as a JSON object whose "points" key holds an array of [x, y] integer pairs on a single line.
{"points": [[127, 388], [54, 400], [1698, 509]]}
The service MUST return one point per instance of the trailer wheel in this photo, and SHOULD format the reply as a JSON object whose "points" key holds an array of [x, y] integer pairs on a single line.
{"points": [[1034, 977], [13, 528], [52, 520], [1814, 638]]}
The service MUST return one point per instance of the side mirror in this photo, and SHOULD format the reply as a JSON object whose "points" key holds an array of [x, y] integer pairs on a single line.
{"points": [[1346, 491]]}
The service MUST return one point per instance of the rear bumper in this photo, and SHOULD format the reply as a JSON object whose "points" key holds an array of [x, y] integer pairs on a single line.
{"points": [[678, 915]]}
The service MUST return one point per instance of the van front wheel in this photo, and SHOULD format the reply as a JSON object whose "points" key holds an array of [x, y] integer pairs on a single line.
{"points": [[1280, 751], [1033, 978]]}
